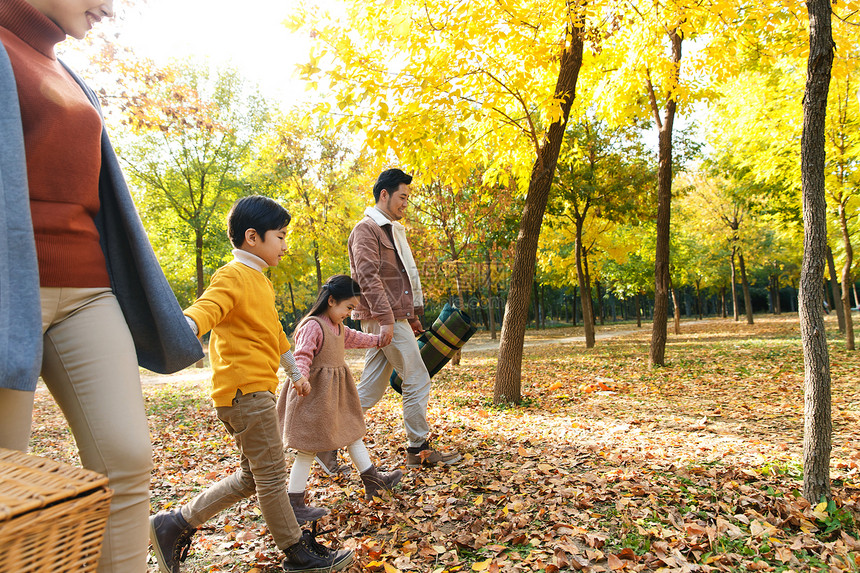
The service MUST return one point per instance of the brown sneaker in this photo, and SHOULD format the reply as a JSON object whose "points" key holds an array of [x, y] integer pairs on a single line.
{"points": [[424, 455]]}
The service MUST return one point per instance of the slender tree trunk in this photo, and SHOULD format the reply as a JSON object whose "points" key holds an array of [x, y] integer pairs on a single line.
{"points": [[657, 356], [508, 386], [490, 297], [818, 424], [543, 309], [834, 289], [198, 261], [771, 301], [318, 266], [698, 299], [584, 288], [776, 287], [847, 281], [613, 306], [536, 300], [573, 306], [723, 301], [600, 309], [638, 310], [746, 286], [676, 310], [293, 301], [734, 288]]}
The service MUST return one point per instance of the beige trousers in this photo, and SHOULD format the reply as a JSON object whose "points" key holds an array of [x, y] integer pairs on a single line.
{"points": [[404, 356], [252, 420], [90, 368]]}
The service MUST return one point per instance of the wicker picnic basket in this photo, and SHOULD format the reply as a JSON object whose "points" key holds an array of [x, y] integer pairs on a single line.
{"points": [[52, 515]]}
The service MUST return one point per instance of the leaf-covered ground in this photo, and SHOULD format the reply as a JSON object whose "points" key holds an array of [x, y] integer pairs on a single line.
{"points": [[607, 466]]}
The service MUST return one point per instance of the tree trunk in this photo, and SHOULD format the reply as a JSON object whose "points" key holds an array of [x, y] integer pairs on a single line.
{"points": [[198, 261], [584, 288], [481, 309], [543, 309], [573, 306], [657, 356], [613, 306], [676, 310], [698, 299], [490, 298], [600, 309], [318, 266], [834, 289], [293, 301], [818, 424], [536, 300], [734, 288], [777, 287], [723, 301], [847, 281], [508, 385], [746, 287], [771, 299], [638, 310]]}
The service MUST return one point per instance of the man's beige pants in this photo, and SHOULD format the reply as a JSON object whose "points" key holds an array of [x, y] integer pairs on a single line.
{"points": [[90, 367], [404, 356]]}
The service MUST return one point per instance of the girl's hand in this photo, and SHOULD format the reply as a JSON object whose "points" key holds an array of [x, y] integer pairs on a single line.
{"points": [[302, 386]]}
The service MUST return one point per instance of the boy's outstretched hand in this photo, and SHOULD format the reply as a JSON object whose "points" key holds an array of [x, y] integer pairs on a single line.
{"points": [[302, 386]]}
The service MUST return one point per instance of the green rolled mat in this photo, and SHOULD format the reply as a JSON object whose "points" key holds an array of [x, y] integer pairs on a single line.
{"points": [[438, 344]]}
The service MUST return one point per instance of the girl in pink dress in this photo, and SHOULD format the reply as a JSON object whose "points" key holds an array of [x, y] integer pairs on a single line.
{"points": [[330, 415]]}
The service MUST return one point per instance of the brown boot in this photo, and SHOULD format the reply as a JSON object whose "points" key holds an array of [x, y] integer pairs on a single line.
{"points": [[303, 512], [329, 464], [375, 481]]}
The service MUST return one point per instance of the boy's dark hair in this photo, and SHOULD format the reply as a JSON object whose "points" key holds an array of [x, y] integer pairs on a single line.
{"points": [[341, 287], [390, 179], [255, 212]]}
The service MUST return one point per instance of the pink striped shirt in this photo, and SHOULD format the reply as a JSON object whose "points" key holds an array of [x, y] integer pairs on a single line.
{"points": [[309, 340]]}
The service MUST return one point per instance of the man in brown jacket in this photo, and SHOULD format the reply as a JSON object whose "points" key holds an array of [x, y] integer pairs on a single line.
{"points": [[391, 302]]}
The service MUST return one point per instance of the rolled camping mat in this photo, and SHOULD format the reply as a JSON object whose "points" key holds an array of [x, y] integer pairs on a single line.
{"points": [[438, 344]]}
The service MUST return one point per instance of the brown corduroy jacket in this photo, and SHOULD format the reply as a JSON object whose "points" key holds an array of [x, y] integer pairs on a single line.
{"points": [[373, 261]]}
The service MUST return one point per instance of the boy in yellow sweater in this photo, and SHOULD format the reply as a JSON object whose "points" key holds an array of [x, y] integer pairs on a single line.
{"points": [[246, 348]]}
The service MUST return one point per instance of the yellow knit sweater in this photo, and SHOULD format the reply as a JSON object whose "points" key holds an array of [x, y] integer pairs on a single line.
{"points": [[247, 338]]}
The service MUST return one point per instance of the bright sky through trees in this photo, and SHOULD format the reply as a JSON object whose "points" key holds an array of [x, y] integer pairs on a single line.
{"points": [[248, 36]]}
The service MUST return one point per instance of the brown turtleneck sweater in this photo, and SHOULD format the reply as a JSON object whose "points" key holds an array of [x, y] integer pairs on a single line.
{"points": [[62, 140]]}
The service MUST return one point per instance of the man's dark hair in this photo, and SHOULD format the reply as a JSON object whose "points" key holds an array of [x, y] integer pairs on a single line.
{"points": [[255, 212], [390, 179]]}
